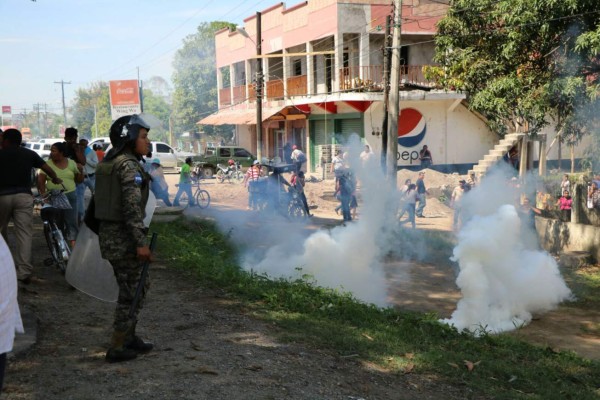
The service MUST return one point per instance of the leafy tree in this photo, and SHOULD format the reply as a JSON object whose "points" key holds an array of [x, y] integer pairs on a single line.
{"points": [[521, 61], [97, 95], [96, 99], [158, 107], [195, 79]]}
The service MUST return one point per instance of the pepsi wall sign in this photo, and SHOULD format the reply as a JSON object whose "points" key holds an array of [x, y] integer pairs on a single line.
{"points": [[411, 127]]}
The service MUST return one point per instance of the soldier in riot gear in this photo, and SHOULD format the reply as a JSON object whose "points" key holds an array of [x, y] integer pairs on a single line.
{"points": [[122, 190]]}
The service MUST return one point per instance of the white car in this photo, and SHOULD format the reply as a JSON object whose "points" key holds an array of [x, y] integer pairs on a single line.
{"points": [[43, 149], [165, 153]]}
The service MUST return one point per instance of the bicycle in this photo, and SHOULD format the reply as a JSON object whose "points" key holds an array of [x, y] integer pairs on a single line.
{"points": [[201, 196], [55, 231]]}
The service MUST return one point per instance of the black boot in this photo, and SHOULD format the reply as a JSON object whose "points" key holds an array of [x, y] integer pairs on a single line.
{"points": [[136, 343], [118, 352]]}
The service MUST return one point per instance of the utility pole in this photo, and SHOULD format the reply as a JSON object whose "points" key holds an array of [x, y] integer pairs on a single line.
{"points": [[96, 118], [141, 89], [62, 85], [36, 108], [259, 87], [394, 110], [386, 92]]}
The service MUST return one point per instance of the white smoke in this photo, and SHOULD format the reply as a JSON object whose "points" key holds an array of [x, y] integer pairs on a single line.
{"points": [[346, 257], [504, 277]]}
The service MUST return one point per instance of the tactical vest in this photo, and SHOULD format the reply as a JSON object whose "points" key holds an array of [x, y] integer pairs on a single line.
{"points": [[108, 193]]}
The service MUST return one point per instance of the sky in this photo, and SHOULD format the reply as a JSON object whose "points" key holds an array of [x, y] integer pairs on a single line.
{"points": [[85, 41]]}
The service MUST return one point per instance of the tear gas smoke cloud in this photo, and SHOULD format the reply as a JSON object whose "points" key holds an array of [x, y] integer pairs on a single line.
{"points": [[347, 257], [504, 277]]}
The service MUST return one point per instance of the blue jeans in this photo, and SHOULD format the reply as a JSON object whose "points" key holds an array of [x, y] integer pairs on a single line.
{"points": [[187, 188], [71, 216], [422, 199], [345, 203], [89, 182]]}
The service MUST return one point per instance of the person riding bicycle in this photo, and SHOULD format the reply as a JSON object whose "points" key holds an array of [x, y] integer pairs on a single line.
{"points": [[185, 183], [122, 191], [71, 174]]}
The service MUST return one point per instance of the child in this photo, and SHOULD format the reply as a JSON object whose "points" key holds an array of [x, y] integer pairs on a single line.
{"points": [[565, 202]]}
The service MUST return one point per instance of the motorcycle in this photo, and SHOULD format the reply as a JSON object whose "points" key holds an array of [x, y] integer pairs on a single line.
{"points": [[233, 171]]}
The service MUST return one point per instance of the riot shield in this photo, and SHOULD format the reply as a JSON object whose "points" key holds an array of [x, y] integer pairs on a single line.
{"points": [[87, 271]]}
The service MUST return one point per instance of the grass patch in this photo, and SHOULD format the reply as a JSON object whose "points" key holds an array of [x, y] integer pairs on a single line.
{"points": [[499, 367]]}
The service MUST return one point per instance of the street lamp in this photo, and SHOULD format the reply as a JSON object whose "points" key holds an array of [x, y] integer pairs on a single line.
{"points": [[259, 82]]}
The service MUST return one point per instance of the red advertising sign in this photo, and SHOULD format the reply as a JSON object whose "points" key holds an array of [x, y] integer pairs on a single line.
{"points": [[6, 110], [124, 98]]}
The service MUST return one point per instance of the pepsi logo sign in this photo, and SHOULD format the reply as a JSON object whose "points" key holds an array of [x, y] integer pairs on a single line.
{"points": [[411, 127]]}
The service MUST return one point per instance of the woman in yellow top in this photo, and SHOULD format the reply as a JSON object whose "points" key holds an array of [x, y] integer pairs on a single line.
{"points": [[71, 174]]}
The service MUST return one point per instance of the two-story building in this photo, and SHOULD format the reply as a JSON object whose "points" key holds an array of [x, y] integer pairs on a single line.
{"points": [[322, 63]]}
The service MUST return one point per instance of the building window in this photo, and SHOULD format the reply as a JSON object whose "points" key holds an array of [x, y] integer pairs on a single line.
{"points": [[297, 67]]}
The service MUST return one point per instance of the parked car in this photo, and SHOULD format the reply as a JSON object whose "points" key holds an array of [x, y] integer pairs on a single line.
{"points": [[43, 149], [221, 155], [165, 153]]}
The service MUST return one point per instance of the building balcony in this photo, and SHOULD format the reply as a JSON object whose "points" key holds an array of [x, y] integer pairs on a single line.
{"points": [[296, 86], [224, 97], [370, 78], [274, 89]]}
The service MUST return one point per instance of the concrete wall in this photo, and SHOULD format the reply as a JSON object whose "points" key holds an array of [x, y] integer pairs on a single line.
{"points": [[453, 137], [556, 236]]}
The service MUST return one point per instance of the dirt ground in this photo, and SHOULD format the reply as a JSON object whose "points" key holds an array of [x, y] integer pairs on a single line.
{"points": [[208, 346]]}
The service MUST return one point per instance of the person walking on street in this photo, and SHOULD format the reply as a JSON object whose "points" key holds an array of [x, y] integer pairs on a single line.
{"points": [[425, 157], [89, 178], [122, 190], [410, 202], [455, 201], [252, 176], [298, 158], [421, 194], [16, 198], [185, 183], [298, 181], [10, 316], [159, 186], [345, 189]]}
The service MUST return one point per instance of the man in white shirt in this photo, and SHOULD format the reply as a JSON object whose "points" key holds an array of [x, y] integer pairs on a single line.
{"points": [[10, 317], [366, 155], [455, 200]]}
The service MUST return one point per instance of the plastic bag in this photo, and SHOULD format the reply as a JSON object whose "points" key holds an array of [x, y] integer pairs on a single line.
{"points": [[59, 200]]}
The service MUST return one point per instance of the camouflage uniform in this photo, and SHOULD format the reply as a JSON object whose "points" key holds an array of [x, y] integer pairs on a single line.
{"points": [[120, 240]]}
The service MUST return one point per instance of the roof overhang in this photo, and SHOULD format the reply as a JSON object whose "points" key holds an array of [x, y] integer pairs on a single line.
{"points": [[237, 116]]}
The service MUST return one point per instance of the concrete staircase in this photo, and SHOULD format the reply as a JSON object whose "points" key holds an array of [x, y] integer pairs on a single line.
{"points": [[496, 153]]}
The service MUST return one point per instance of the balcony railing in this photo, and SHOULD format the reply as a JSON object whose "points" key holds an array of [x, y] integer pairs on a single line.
{"points": [[296, 86], [239, 94], [274, 89], [370, 78], [225, 97]]}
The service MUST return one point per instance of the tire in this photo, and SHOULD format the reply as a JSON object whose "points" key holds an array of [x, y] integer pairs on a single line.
{"points": [[238, 177], [51, 242], [63, 249], [208, 173], [202, 198], [220, 176], [296, 210]]}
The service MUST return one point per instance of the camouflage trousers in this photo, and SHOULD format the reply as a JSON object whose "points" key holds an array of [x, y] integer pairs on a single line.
{"points": [[128, 272]]}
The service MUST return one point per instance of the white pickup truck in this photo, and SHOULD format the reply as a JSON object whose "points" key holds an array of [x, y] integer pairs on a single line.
{"points": [[169, 158]]}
